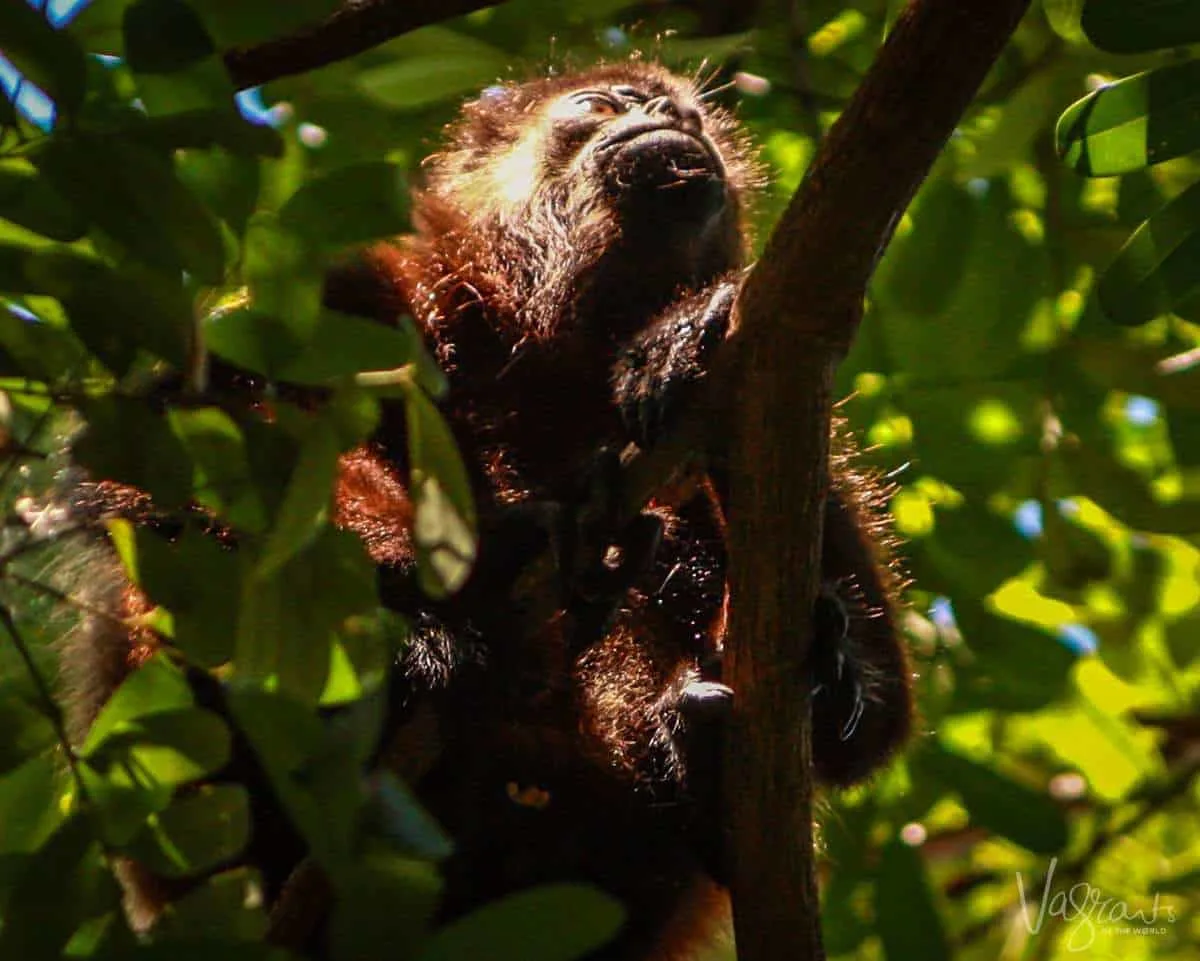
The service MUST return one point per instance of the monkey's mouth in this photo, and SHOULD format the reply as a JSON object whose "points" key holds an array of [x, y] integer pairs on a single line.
{"points": [[660, 158]]}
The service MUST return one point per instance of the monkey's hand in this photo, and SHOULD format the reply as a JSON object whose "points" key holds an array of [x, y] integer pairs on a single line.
{"points": [[702, 714], [657, 371]]}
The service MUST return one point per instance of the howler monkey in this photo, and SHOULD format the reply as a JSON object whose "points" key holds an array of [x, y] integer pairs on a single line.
{"points": [[578, 244]]}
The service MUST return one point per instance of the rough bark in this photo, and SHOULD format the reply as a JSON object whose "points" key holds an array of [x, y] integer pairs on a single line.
{"points": [[798, 314]]}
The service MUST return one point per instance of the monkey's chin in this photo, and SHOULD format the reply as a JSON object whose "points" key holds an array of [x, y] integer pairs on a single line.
{"points": [[665, 172]]}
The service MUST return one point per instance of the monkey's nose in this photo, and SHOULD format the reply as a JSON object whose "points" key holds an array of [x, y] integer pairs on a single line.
{"points": [[686, 117]]}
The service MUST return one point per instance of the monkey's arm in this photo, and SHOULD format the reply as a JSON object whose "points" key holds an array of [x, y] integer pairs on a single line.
{"points": [[657, 371], [862, 708]]}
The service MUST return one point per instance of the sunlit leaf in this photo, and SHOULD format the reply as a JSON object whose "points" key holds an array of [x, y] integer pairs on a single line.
{"points": [[1133, 123]]}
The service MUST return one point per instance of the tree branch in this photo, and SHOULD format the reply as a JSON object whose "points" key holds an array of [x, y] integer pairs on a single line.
{"points": [[356, 25], [797, 316]]}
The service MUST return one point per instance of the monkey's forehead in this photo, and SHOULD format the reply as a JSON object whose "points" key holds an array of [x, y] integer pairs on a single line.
{"points": [[509, 105], [650, 77]]}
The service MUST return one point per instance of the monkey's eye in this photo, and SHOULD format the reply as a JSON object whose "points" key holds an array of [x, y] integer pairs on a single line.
{"points": [[597, 103]]}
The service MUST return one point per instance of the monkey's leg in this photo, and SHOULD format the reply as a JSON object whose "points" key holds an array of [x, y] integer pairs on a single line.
{"points": [[862, 698]]}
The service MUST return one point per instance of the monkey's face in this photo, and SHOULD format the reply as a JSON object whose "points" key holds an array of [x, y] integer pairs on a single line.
{"points": [[610, 189], [646, 148]]}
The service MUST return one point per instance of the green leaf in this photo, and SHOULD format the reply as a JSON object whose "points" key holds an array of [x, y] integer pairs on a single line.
{"points": [[97, 26], [906, 914], [243, 22], [285, 732], [1156, 269], [28, 200], [14, 277], [1015, 666], [225, 906], [1116, 364], [1027, 817], [222, 480], [1120, 26], [197, 579], [432, 65], [202, 128], [161, 751], [226, 180], [343, 345], [555, 922], [127, 442], [967, 263], [973, 550], [164, 37], [920, 270], [1133, 123], [383, 899], [41, 350], [348, 206], [157, 686], [316, 779], [296, 610], [283, 276], [1075, 556], [30, 803], [135, 196], [63, 886], [116, 312], [175, 63], [27, 729], [974, 435], [444, 525], [196, 833], [252, 340], [309, 496], [49, 58]]}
